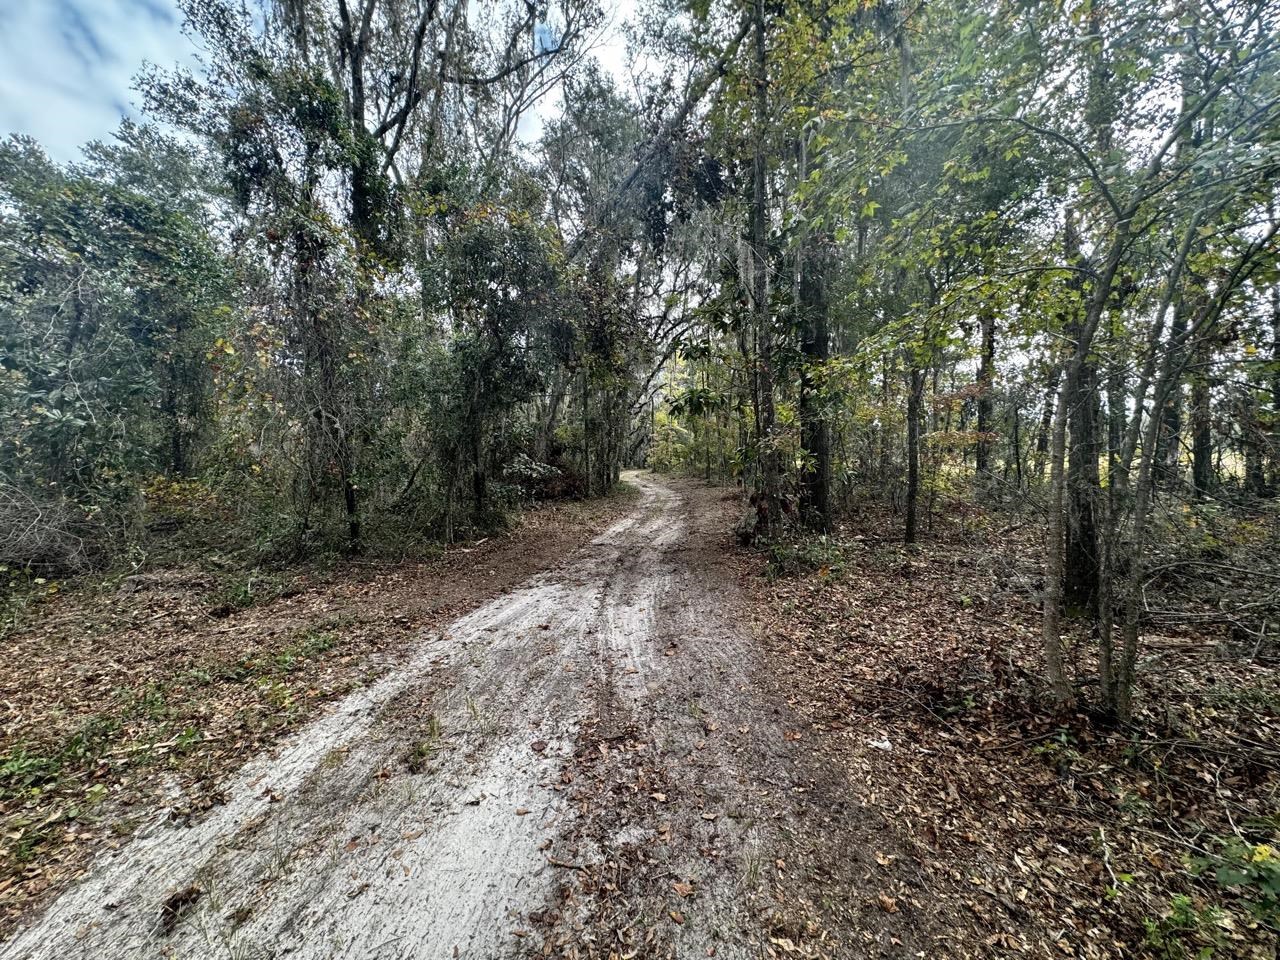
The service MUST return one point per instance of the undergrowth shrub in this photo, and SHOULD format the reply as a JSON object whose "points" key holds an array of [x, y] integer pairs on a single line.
{"points": [[47, 534], [1185, 932], [1249, 870], [797, 557]]}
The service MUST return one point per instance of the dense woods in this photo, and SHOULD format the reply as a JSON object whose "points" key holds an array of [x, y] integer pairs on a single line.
{"points": [[1020, 257], [379, 273], [1015, 255], [327, 292]]}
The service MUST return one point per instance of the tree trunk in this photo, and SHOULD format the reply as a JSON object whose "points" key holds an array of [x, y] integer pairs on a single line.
{"points": [[1118, 693], [1095, 306], [171, 405], [1166, 466], [986, 401], [769, 491], [1051, 625], [1044, 434], [1201, 423], [914, 402], [1080, 587], [479, 480], [586, 433], [1016, 449], [1275, 385], [815, 429], [1253, 440]]}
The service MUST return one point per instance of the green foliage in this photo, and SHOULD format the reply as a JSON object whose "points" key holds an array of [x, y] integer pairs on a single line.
{"points": [[1249, 870], [20, 770], [670, 445], [108, 293], [809, 555], [1186, 932], [312, 644], [242, 589]]}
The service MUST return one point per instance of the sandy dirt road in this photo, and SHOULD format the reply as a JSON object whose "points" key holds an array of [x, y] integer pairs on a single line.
{"points": [[583, 766]]}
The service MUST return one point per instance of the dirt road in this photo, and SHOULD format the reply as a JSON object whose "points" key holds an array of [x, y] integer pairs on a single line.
{"points": [[586, 764]]}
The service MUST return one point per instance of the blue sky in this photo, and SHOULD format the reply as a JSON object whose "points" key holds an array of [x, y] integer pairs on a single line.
{"points": [[67, 66]]}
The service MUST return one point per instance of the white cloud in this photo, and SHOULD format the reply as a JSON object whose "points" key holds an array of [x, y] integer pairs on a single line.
{"points": [[608, 47], [67, 66]]}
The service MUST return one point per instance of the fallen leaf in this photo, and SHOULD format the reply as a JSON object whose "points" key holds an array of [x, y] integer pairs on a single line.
{"points": [[176, 904]]}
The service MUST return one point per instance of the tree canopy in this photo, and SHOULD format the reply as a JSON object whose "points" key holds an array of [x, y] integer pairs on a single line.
{"points": [[376, 271]]}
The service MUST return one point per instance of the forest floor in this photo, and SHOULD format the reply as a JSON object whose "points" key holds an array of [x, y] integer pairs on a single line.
{"points": [[917, 673], [586, 765], [613, 733], [133, 698]]}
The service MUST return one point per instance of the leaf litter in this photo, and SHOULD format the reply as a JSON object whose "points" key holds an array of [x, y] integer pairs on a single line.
{"points": [[119, 700], [1029, 834]]}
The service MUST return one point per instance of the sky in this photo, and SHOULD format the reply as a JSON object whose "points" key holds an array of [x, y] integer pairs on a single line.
{"points": [[67, 66]]}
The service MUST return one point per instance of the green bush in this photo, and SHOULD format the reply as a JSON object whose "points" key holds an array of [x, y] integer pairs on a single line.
{"points": [[1252, 871], [1186, 931], [798, 557]]}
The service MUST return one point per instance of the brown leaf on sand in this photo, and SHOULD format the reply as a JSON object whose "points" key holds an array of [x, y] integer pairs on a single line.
{"points": [[177, 904]]}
